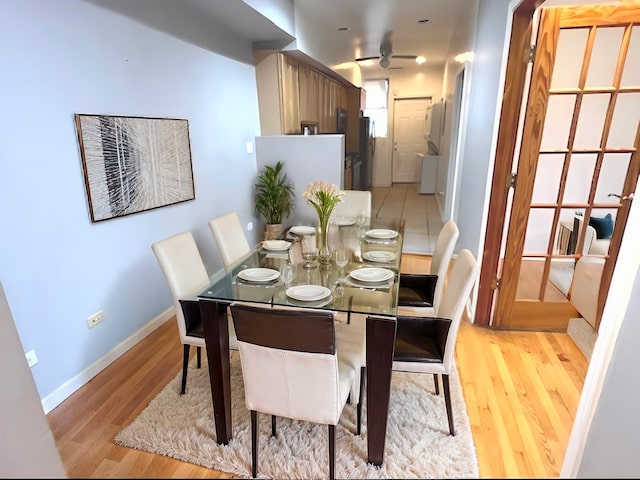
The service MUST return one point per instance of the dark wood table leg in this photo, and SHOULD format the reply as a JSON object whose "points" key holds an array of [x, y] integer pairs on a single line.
{"points": [[216, 336], [381, 334]]}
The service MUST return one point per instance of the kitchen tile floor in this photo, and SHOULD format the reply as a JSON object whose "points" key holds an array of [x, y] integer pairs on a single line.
{"points": [[420, 213]]}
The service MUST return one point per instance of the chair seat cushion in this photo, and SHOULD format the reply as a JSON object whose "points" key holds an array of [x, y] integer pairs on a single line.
{"points": [[416, 290]]}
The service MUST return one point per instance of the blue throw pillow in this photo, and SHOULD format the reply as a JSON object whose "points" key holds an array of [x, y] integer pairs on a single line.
{"points": [[603, 226]]}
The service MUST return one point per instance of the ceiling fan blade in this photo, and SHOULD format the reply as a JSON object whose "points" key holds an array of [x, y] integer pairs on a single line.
{"points": [[385, 44], [407, 57], [362, 59]]}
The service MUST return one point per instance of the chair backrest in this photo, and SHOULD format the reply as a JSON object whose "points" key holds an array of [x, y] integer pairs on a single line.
{"points": [[463, 276], [184, 270], [289, 362], [441, 258], [230, 238], [352, 202]]}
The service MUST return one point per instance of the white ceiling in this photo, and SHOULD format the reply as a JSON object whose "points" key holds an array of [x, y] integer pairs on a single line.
{"points": [[238, 21], [367, 20]]}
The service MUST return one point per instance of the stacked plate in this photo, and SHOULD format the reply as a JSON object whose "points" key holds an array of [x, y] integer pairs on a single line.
{"points": [[309, 295], [382, 233], [259, 275], [302, 230], [343, 221], [379, 256], [371, 275], [276, 245]]}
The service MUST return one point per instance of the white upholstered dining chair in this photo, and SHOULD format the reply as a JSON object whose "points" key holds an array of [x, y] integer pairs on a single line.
{"points": [[291, 369], [353, 202], [426, 344], [230, 238], [186, 275], [421, 292]]}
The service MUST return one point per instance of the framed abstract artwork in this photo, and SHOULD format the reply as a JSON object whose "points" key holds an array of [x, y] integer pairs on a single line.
{"points": [[133, 164]]}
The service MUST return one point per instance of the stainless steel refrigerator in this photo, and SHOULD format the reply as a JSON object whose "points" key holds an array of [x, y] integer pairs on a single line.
{"points": [[363, 167]]}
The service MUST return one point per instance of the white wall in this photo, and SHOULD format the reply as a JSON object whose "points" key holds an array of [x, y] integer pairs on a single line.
{"points": [[480, 133], [27, 446], [604, 441], [463, 41], [307, 158], [66, 57]]}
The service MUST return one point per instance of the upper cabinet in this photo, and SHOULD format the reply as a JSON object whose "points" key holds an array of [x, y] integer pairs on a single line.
{"points": [[309, 88], [291, 93]]}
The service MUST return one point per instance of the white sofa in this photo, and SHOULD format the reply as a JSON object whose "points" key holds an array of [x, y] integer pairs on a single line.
{"points": [[584, 297]]}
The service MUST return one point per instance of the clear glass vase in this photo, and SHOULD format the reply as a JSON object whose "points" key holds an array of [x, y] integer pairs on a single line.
{"points": [[324, 253]]}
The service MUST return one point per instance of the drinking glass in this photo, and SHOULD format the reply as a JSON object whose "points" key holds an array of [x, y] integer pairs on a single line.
{"points": [[341, 256], [361, 218], [309, 251], [286, 273]]}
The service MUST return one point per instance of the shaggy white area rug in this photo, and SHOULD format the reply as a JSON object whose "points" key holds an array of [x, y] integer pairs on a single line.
{"points": [[418, 444]]}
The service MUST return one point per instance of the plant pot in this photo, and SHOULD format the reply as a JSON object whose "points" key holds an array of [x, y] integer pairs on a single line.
{"points": [[273, 231]]}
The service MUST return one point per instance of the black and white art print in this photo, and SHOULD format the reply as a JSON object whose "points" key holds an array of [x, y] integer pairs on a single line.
{"points": [[133, 164]]}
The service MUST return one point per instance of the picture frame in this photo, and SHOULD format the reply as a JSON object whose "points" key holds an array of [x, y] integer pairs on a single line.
{"points": [[134, 164]]}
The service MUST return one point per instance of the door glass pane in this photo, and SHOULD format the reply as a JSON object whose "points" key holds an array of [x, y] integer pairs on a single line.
{"points": [[561, 268], [572, 43], [604, 57], [538, 231], [530, 278], [599, 230], [545, 187], [631, 73], [591, 120], [578, 182], [612, 174], [624, 124], [557, 122], [566, 237]]}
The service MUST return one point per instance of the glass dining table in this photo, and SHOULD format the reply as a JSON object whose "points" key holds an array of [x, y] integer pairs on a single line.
{"points": [[367, 285]]}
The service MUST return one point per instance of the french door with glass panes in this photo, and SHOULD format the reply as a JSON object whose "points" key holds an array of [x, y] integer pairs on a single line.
{"points": [[578, 161]]}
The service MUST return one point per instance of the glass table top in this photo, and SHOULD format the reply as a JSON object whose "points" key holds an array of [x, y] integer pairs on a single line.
{"points": [[257, 277]]}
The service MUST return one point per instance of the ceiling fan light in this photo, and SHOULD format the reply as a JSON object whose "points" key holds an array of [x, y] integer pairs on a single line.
{"points": [[420, 59], [384, 62]]}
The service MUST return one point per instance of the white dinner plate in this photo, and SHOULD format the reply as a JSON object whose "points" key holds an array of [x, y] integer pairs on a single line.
{"points": [[302, 230], [343, 221], [379, 256], [258, 274], [371, 274], [308, 293], [277, 245], [316, 304], [381, 233]]}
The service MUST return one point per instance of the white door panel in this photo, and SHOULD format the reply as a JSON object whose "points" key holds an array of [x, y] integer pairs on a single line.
{"points": [[409, 138]]}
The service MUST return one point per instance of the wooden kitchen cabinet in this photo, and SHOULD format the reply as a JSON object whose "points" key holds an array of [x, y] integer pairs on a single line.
{"points": [[309, 81], [290, 92]]}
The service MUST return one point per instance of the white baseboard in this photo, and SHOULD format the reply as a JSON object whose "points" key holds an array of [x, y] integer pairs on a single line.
{"points": [[61, 393]]}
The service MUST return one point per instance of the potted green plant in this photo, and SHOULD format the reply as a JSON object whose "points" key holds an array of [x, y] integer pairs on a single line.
{"points": [[274, 199]]}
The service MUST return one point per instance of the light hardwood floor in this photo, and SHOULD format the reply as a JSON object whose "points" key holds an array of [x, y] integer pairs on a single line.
{"points": [[521, 389]]}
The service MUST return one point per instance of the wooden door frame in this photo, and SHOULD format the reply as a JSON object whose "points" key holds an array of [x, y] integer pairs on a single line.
{"points": [[515, 80]]}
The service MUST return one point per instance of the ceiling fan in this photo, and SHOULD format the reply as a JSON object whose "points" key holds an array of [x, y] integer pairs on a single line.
{"points": [[386, 53]]}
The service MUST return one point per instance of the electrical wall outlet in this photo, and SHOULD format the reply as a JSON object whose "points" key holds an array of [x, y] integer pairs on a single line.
{"points": [[32, 358], [95, 319]]}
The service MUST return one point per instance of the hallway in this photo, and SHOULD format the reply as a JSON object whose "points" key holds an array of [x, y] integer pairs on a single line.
{"points": [[420, 212]]}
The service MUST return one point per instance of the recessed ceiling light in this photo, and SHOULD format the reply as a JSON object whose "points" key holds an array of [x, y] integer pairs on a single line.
{"points": [[423, 20], [420, 59], [343, 29]]}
